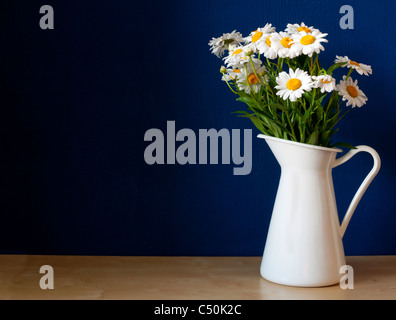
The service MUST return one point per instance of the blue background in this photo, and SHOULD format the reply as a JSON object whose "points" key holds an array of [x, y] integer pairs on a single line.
{"points": [[76, 102]]}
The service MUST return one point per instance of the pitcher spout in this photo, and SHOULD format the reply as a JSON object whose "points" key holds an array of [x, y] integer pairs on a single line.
{"points": [[294, 154]]}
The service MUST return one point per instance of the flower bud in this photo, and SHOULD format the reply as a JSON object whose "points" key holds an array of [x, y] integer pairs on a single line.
{"points": [[223, 70], [249, 51]]}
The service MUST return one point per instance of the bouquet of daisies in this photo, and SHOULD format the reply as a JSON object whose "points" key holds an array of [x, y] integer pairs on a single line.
{"points": [[280, 79]]}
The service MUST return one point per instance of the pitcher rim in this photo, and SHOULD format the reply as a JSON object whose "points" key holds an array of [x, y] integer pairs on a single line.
{"points": [[310, 146]]}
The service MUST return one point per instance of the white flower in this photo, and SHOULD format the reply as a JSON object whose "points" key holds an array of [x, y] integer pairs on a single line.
{"points": [[308, 43], [232, 74], [249, 49], [257, 38], [293, 84], [237, 56], [296, 28], [266, 47], [219, 45], [324, 82], [282, 44], [350, 92], [361, 68], [252, 79]]}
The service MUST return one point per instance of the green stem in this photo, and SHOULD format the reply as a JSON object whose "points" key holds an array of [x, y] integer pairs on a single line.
{"points": [[342, 116], [349, 73], [317, 64], [303, 103], [254, 70], [330, 101], [229, 85], [292, 129]]}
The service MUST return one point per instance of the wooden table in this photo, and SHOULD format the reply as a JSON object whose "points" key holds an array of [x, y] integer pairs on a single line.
{"points": [[186, 278]]}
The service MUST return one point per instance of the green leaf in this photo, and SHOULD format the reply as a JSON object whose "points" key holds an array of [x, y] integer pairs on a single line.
{"points": [[335, 66], [258, 124], [319, 113], [306, 115], [326, 135], [242, 113], [301, 128], [320, 99], [307, 59], [308, 95], [313, 97], [246, 100], [313, 137], [279, 106]]}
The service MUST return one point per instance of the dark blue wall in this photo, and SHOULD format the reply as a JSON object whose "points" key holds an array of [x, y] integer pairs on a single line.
{"points": [[76, 102]]}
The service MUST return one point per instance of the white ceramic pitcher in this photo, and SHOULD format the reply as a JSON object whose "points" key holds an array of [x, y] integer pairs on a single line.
{"points": [[304, 242]]}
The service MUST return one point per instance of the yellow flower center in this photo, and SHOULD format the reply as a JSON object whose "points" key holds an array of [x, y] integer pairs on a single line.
{"points": [[352, 91], [293, 84], [308, 39], [287, 42], [257, 36], [252, 79], [237, 51], [325, 81], [237, 71], [307, 30], [354, 63], [268, 41]]}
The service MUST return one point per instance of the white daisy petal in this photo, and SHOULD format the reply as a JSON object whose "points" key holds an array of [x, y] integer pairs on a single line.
{"points": [[257, 39], [308, 43], [292, 85], [282, 44], [326, 83], [252, 79], [361, 68], [232, 74], [237, 57], [219, 45], [350, 92], [296, 28]]}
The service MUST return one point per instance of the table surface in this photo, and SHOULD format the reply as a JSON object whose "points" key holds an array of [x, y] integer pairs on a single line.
{"points": [[174, 278]]}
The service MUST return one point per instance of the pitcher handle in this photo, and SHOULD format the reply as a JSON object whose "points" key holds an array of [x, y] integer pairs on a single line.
{"points": [[363, 187]]}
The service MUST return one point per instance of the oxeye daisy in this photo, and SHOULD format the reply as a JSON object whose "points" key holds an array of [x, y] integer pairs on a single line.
{"points": [[231, 74], [236, 56], [296, 28], [282, 43], [292, 85], [324, 82], [308, 43], [361, 68], [252, 79], [257, 38], [266, 47], [219, 45], [351, 93]]}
